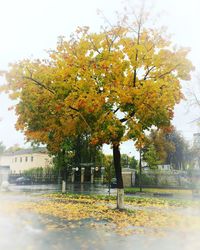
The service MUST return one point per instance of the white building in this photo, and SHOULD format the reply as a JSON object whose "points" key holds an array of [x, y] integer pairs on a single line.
{"points": [[166, 167], [4, 172], [26, 159]]}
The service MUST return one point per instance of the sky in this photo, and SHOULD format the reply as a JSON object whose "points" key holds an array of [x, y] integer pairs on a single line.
{"points": [[30, 27]]}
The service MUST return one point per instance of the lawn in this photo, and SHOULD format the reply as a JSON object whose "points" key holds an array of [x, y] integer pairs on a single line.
{"points": [[140, 213], [134, 190]]}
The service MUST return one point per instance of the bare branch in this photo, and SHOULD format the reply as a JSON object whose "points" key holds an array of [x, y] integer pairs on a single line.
{"points": [[83, 118], [168, 72], [115, 110], [126, 118], [94, 46], [148, 71]]}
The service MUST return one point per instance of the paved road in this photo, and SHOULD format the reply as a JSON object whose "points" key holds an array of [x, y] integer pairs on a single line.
{"points": [[73, 188], [87, 188]]}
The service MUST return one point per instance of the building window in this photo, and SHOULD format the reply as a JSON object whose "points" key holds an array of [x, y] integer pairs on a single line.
{"points": [[31, 158], [15, 159], [20, 159], [26, 159]]}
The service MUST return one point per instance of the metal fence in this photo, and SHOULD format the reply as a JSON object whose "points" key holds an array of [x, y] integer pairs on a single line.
{"points": [[34, 178], [165, 179]]}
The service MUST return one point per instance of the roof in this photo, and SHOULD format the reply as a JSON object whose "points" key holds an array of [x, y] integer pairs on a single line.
{"points": [[41, 150]]}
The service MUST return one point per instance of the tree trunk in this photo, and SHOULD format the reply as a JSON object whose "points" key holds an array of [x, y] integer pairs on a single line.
{"points": [[61, 164], [77, 157], [118, 173]]}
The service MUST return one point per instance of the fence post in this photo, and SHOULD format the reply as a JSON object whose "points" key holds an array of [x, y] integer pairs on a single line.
{"points": [[82, 174], [63, 187], [92, 175], [102, 174], [73, 173]]}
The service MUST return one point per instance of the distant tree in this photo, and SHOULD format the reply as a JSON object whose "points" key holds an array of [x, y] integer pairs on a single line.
{"points": [[14, 148], [2, 148], [109, 168], [168, 147], [181, 155], [75, 151], [133, 163], [128, 162], [157, 147], [150, 156]]}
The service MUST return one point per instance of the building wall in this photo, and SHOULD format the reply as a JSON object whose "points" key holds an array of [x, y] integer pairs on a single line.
{"points": [[128, 176], [20, 162], [4, 172]]}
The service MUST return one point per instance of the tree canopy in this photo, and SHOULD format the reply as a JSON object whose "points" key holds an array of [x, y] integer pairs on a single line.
{"points": [[95, 78]]}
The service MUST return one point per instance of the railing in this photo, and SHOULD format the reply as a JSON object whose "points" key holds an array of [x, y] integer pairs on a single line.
{"points": [[34, 179]]}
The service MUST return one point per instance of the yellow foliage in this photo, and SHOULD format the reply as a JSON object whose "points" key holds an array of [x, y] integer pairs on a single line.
{"points": [[141, 216], [113, 81]]}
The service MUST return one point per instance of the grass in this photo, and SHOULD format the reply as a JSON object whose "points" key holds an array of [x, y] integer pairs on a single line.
{"points": [[128, 199], [134, 190]]}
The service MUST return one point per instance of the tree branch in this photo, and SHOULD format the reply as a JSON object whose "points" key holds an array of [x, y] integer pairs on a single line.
{"points": [[94, 46], [39, 84], [126, 118], [148, 71], [168, 72], [80, 116], [136, 55]]}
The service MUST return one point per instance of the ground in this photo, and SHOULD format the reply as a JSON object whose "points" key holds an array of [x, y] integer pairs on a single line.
{"points": [[55, 221]]}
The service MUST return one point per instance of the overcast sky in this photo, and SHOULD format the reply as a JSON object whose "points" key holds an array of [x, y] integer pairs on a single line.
{"points": [[29, 27]]}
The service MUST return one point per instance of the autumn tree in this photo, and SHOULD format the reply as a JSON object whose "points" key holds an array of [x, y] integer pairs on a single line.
{"points": [[159, 146], [73, 152], [170, 147], [128, 161], [114, 85], [180, 157], [109, 168], [150, 156]]}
